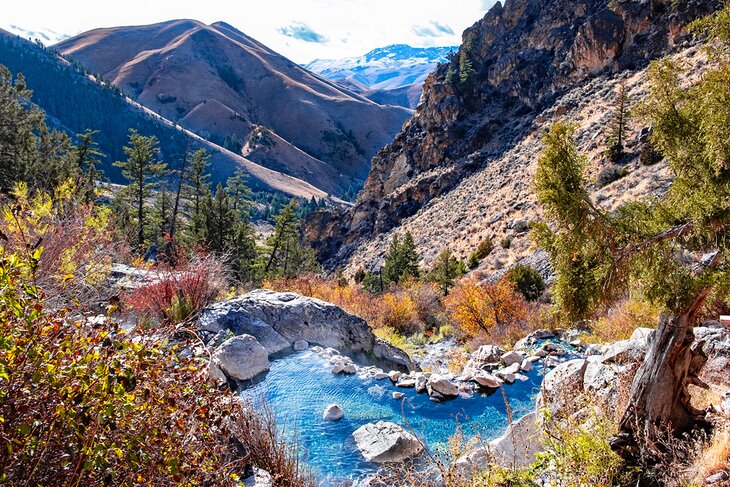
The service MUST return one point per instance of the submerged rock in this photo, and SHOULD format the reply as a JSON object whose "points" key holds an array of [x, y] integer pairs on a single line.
{"points": [[301, 345], [333, 412], [385, 442], [241, 358]]}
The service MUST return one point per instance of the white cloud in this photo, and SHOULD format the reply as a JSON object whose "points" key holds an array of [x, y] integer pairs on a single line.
{"points": [[300, 29]]}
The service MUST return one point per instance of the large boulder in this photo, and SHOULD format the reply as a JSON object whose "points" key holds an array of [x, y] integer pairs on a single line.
{"points": [[562, 384], [241, 358], [333, 412], [279, 320], [385, 442], [484, 355], [714, 339], [442, 385]]}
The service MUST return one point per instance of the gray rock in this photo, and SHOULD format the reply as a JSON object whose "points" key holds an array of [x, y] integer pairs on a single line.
{"points": [[406, 383], [397, 395], [394, 375], [333, 412], [625, 351], [385, 442], [442, 385], [527, 365], [562, 384], [520, 443], [533, 338], [486, 354], [380, 375], [241, 358], [718, 477], [421, 382], [643, 334], [300, 345], [277, 318], [260, 478], [510, 358], [488, 380]]}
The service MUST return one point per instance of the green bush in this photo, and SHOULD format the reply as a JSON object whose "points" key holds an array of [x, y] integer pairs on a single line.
{"points": [[527, 281]]}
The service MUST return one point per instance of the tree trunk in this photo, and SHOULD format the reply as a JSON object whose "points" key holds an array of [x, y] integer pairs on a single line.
{"points": [[660, 402]]}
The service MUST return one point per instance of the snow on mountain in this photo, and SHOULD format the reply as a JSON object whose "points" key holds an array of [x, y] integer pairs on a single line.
{"points": [[385, 68], [47, 36]]}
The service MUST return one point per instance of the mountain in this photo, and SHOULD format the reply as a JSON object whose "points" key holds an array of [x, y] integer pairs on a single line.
{"points": [[223, 85], [461, 169], [385, 68], [74, 101], [46, 36], [389, 75]]}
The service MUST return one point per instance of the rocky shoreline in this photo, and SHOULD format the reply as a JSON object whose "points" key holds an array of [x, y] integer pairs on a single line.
{"points": [[243, 334]]}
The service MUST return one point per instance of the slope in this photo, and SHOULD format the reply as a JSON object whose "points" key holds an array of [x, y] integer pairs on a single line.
{"points": [[74, 101], [470, 147], [220, 83]]}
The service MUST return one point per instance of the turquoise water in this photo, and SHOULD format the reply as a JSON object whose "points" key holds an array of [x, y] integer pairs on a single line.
{"points": [[299, 387]]}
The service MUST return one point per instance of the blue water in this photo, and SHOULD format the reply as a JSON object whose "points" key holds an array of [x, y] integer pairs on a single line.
{"points": [[299, 387]]}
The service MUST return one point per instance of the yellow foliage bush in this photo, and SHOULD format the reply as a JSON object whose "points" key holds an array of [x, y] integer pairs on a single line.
{"points": [[621, 321]]}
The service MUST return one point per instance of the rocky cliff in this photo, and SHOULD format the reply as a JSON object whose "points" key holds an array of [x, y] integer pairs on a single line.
{"points": [[471, 145]]}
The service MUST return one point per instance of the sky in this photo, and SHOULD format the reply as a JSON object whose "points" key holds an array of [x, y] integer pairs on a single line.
{"points": [[302, 30]]}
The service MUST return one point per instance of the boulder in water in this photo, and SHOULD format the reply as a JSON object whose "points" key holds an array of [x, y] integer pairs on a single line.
{"points": [[333, 412], [385, 442], [300, 345], [442, 385]]}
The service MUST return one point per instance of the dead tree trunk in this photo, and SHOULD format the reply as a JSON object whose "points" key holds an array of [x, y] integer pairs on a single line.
{"points": [[660, 401]]}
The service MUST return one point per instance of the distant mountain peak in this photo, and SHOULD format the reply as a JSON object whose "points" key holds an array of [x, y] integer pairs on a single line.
{"points": [[384, 68], [47, 36]]}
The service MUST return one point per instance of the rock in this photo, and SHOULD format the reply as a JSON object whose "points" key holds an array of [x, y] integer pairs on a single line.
{"points": [[241, 358], [380, 375], [487, 380], [595, 349], [521, 377], [506, 376], [333, 412], [394, 375], [442, 385], [260, 478], [406, 383], [300, 345], [218, 339], [512, 369], [279, 319], [725, 404], [216, 374], [527, 366], [561, 384], [625, 351], [385, 442], [643, 334], [421, 381], [718, 477], [397, 395], [344, 368], [486, 354], [510, 358], [519, 444]]}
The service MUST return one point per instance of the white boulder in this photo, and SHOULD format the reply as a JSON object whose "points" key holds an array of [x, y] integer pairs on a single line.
{"points": [[333, 412], [385, 442], [442, 385], [241, 358]]}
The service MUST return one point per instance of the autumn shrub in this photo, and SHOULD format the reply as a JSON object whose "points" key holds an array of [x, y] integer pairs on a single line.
{"points": [[484, 308], [619, 322], [73, 243], [400, 312], [176, 293]]}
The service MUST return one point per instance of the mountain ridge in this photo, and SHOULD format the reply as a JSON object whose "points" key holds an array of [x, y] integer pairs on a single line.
{"points": [[220, 83]]}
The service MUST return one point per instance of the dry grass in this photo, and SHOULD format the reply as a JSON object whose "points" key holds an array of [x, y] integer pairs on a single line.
{"points": [[714, 457], [621, 320]]}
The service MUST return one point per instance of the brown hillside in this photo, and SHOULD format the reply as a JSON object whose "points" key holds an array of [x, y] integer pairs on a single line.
{"points": [[219, 82]]}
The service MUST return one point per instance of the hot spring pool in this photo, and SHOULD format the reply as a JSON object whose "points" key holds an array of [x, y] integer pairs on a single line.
{"points": [[299, 387]]}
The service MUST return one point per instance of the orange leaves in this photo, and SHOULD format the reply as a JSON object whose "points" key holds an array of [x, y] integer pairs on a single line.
{"points": [[479, 308]]}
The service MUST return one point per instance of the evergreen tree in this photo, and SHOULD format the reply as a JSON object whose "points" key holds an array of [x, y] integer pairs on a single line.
{"points": [[284, 255], [143, 171], [196, 193], [240, 195], [87, 156], [445, 271], [619, 119], [401, 261], [221, 220], [466, 67], [162, 217]]}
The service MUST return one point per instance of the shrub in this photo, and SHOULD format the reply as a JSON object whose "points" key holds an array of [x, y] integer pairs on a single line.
{"points": [[73, 242], [527, 281], [506, 242], [177, 293], [484, 248], [400, 312], [648, 155], [621, 321], [479, 309], [610, 174]]}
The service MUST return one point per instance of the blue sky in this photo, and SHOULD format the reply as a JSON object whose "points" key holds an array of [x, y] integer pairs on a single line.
{"points": [[302, 30]]}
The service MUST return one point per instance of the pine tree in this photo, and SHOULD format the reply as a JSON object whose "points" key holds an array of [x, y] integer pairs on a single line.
{"points": [[619, 119], [401, 261], [466, 67], [87, 156], [445, 271], [162, 217], [143, 171], [240, 195], [221, 220], [284, 255], [196, 192]]}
